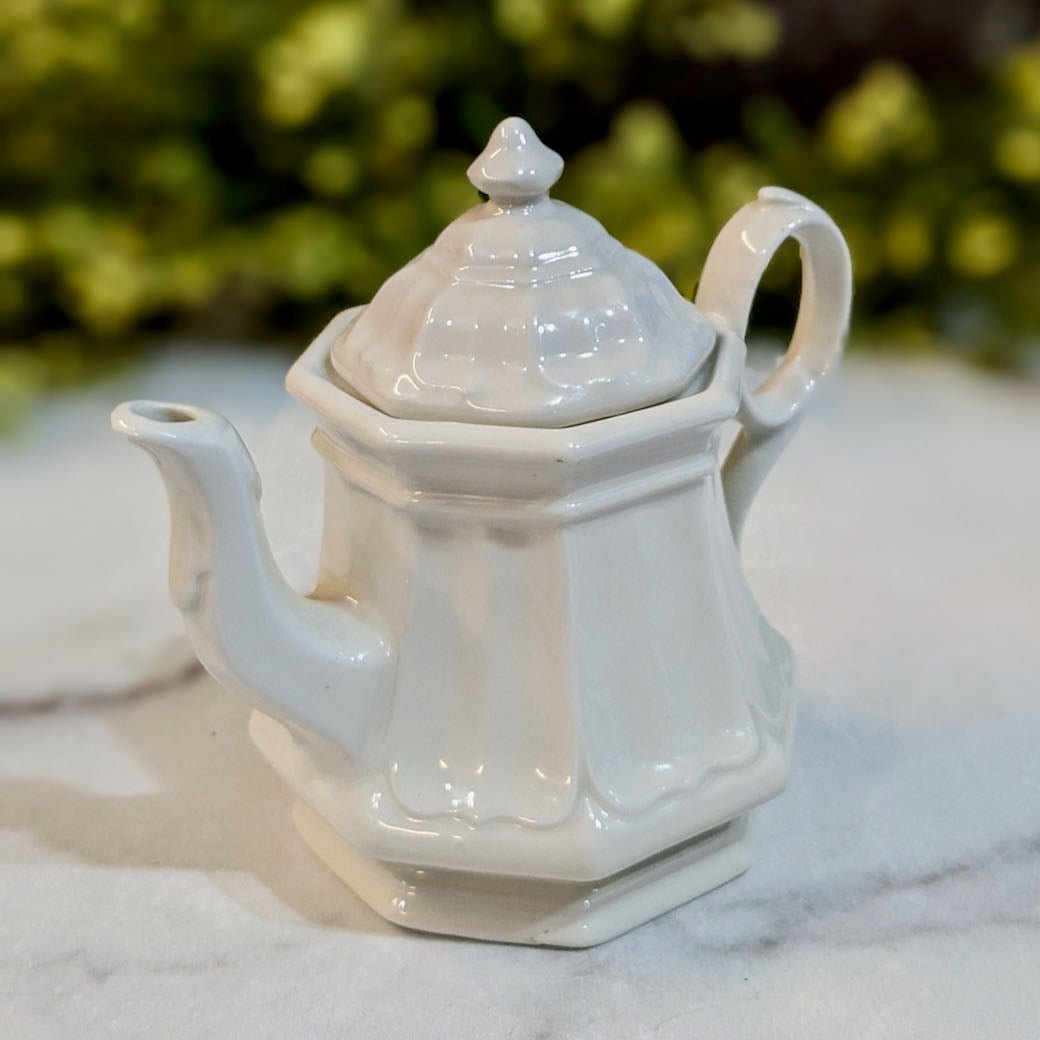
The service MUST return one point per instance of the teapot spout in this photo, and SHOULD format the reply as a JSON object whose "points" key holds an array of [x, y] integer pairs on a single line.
{"points": [[306, 661]]}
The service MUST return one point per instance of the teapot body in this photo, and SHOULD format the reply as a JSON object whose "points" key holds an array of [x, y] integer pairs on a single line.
{"points": [[531, 698], [581, 676]]}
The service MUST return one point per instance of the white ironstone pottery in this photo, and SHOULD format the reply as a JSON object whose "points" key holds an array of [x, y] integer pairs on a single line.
{"points": [[531, 698]]}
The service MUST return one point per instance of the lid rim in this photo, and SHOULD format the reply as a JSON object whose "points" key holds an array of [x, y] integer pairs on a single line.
{"points": [[313, 380], [573, 405]]}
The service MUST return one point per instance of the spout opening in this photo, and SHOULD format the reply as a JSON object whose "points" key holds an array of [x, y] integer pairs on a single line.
{"points": [[162, 413], [160, 421]]}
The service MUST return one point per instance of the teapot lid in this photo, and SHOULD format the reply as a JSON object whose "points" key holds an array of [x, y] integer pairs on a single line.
{"points": [[523, 312]]}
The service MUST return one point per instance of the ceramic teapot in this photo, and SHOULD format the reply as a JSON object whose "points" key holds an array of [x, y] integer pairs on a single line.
{"points": [[531, 697]]}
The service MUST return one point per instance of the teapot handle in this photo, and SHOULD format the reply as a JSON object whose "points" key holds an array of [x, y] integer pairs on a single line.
{"points": [[735, 263]]}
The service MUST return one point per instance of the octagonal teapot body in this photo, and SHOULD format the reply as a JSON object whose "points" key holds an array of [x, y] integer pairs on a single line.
{"points": [[531, 697]]}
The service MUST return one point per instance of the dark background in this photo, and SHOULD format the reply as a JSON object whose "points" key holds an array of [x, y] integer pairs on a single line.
{"points": [[240, 170]]}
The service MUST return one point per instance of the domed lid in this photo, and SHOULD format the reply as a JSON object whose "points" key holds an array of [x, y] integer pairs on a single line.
{"points": [[524, 312]]}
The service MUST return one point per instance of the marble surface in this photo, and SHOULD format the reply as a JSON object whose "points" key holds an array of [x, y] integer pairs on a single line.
{"points": [[151, 883]]}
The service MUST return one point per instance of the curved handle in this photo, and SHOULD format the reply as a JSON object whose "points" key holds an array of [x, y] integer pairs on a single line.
{"points": [[735, 265]]}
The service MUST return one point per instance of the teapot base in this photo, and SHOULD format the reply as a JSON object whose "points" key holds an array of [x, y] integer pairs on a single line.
{"points": [[533, 911]]}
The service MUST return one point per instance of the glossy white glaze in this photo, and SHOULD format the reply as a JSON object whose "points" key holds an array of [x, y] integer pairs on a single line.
{"points": [[531, 652], [524, 312]]}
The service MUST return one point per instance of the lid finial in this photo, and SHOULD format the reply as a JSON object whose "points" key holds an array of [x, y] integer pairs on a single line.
{"points": [[515, 167]]}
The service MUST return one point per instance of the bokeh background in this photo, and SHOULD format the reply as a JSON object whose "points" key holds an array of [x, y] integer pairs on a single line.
{"points": [[237, 171]]}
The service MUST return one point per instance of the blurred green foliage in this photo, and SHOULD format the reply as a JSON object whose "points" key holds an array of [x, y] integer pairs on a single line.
{"points": [[247, 167]]}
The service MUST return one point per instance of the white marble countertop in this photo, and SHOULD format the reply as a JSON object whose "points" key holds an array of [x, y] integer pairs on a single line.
{"points": [[151, 882]]}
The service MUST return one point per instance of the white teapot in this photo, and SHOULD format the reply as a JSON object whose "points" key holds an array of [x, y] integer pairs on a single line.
{"points": [[531, 698]]}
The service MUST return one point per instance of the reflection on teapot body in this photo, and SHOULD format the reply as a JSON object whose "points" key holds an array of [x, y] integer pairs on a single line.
{"points": [[531, 698]]}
